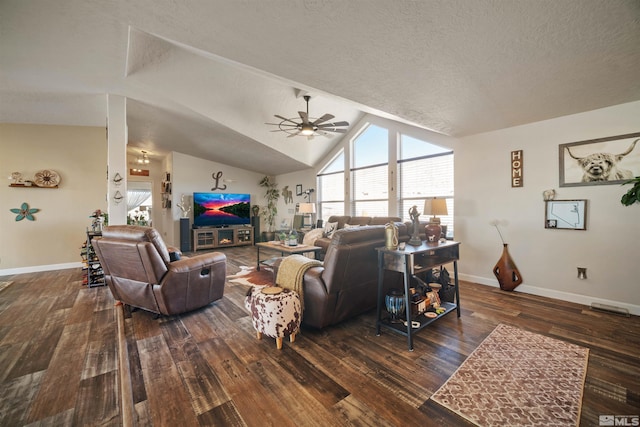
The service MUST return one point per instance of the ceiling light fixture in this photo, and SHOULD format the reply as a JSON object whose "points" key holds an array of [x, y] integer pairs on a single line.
{"points": [[144, 159], [307, 129]]}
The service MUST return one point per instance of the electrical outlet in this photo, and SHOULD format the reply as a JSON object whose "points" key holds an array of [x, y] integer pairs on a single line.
{"points": [[582, 273]]}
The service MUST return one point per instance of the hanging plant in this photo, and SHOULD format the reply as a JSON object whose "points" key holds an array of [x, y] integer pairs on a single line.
{"points": [[633, 195]]}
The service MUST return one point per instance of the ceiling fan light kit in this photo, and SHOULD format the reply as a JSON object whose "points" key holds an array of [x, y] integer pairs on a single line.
{"points": [[307, 127]]}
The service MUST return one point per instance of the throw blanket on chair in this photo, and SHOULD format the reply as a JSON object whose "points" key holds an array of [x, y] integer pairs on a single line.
{"points": [[291, 273]]}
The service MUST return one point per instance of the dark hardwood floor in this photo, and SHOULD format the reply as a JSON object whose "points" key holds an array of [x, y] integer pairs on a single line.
{"points": [[59, 364]]}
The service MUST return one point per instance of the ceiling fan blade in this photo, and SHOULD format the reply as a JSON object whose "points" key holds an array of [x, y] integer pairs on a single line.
{"points": [[324, 118], [293, 124], [333, 124], [325, 134], [286, 126], [333, 130], [285, 119], [304, 116]]}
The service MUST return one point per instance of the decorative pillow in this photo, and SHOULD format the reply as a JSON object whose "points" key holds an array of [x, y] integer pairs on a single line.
{"points": [[351, 225], [310, 237], [330, 228]]}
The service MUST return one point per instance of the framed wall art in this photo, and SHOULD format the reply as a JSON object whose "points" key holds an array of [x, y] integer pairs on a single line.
{"points": [[566, 214], [299, 190], [611, 160]]}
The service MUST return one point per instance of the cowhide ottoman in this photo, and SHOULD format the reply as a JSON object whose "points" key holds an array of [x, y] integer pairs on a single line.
{"points": [[275, 312]]}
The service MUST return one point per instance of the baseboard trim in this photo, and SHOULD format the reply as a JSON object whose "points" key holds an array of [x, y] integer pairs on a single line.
{"points": [[39, 268], [550, 293], [124, 369]]}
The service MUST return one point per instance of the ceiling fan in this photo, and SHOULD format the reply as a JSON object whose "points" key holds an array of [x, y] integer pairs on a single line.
{"points": [[307, 126]]}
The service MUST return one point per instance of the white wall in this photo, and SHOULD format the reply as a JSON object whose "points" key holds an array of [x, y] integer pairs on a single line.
{"points": [[79, 155], [164, 217], [306, 179], [191, 174], [548, 259]]}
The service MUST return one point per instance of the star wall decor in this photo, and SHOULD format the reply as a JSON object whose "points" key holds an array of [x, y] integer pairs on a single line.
{"points": [[25, 212]]}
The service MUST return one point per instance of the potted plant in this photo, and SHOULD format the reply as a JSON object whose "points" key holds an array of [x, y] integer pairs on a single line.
{"points": [[633, 195], [270, 211], [100, 219]]}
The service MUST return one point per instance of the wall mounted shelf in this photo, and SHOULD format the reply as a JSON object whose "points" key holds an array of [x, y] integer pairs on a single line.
{"points": [[31, 186]]}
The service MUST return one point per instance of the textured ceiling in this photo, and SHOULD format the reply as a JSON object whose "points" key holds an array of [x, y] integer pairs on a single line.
{"points": [[203, 78]]}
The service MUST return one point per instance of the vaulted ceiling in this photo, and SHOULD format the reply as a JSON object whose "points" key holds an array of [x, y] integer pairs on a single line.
{"points": [[203, 78]]}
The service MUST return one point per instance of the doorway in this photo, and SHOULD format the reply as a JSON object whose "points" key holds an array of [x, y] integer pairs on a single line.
{"points": [[140, 203]]}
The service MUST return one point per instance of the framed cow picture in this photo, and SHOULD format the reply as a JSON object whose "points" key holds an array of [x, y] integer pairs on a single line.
{"points": [[611, 160]]}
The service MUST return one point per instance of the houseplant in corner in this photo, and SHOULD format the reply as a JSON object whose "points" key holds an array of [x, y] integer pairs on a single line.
{"points": [[271, 209], [633, 195]]}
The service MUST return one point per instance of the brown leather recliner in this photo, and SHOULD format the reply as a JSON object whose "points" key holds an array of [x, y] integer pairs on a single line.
{"points": [[344, 221], [347, 282], [138, 269]]}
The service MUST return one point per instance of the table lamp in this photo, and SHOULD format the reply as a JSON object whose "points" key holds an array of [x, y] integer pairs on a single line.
{"points": [[434, 207], [307, 209]]}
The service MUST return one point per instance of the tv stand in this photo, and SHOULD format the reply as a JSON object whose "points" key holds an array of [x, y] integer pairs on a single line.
{"points": [[211, 238]]}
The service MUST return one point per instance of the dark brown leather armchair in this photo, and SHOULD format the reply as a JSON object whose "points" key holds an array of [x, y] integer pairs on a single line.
{"points": [[139, 271], [347, 282]]}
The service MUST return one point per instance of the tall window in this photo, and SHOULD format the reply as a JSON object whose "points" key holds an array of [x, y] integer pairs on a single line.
{"points": [[369, 173], [386, 184], [425, 171], [331, 189]]}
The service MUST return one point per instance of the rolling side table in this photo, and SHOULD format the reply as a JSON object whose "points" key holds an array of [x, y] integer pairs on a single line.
{"points": [[409, 261]]}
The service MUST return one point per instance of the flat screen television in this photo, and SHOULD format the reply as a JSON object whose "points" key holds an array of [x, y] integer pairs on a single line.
{"points": [[221, 209]]}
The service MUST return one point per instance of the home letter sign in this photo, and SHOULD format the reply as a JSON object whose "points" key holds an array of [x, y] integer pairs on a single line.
{"points": [[516, 169]]}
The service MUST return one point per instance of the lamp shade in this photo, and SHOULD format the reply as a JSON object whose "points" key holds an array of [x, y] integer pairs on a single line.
{"points": [[435, 207], [307, 208]]}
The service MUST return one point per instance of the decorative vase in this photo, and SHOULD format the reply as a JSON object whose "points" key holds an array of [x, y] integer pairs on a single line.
{"points": [[292, 240], [391, 236], [394, 302], [506, 271], [433, 231], [268, 236]]}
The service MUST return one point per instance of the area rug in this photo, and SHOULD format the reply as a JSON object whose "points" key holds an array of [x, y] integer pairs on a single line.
{"points": [[251, 277], [3, 285], [518, 378]]}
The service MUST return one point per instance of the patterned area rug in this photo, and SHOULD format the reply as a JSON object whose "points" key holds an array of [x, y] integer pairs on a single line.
{"points": [[518, 378], [251, 277], [3, 285]]}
